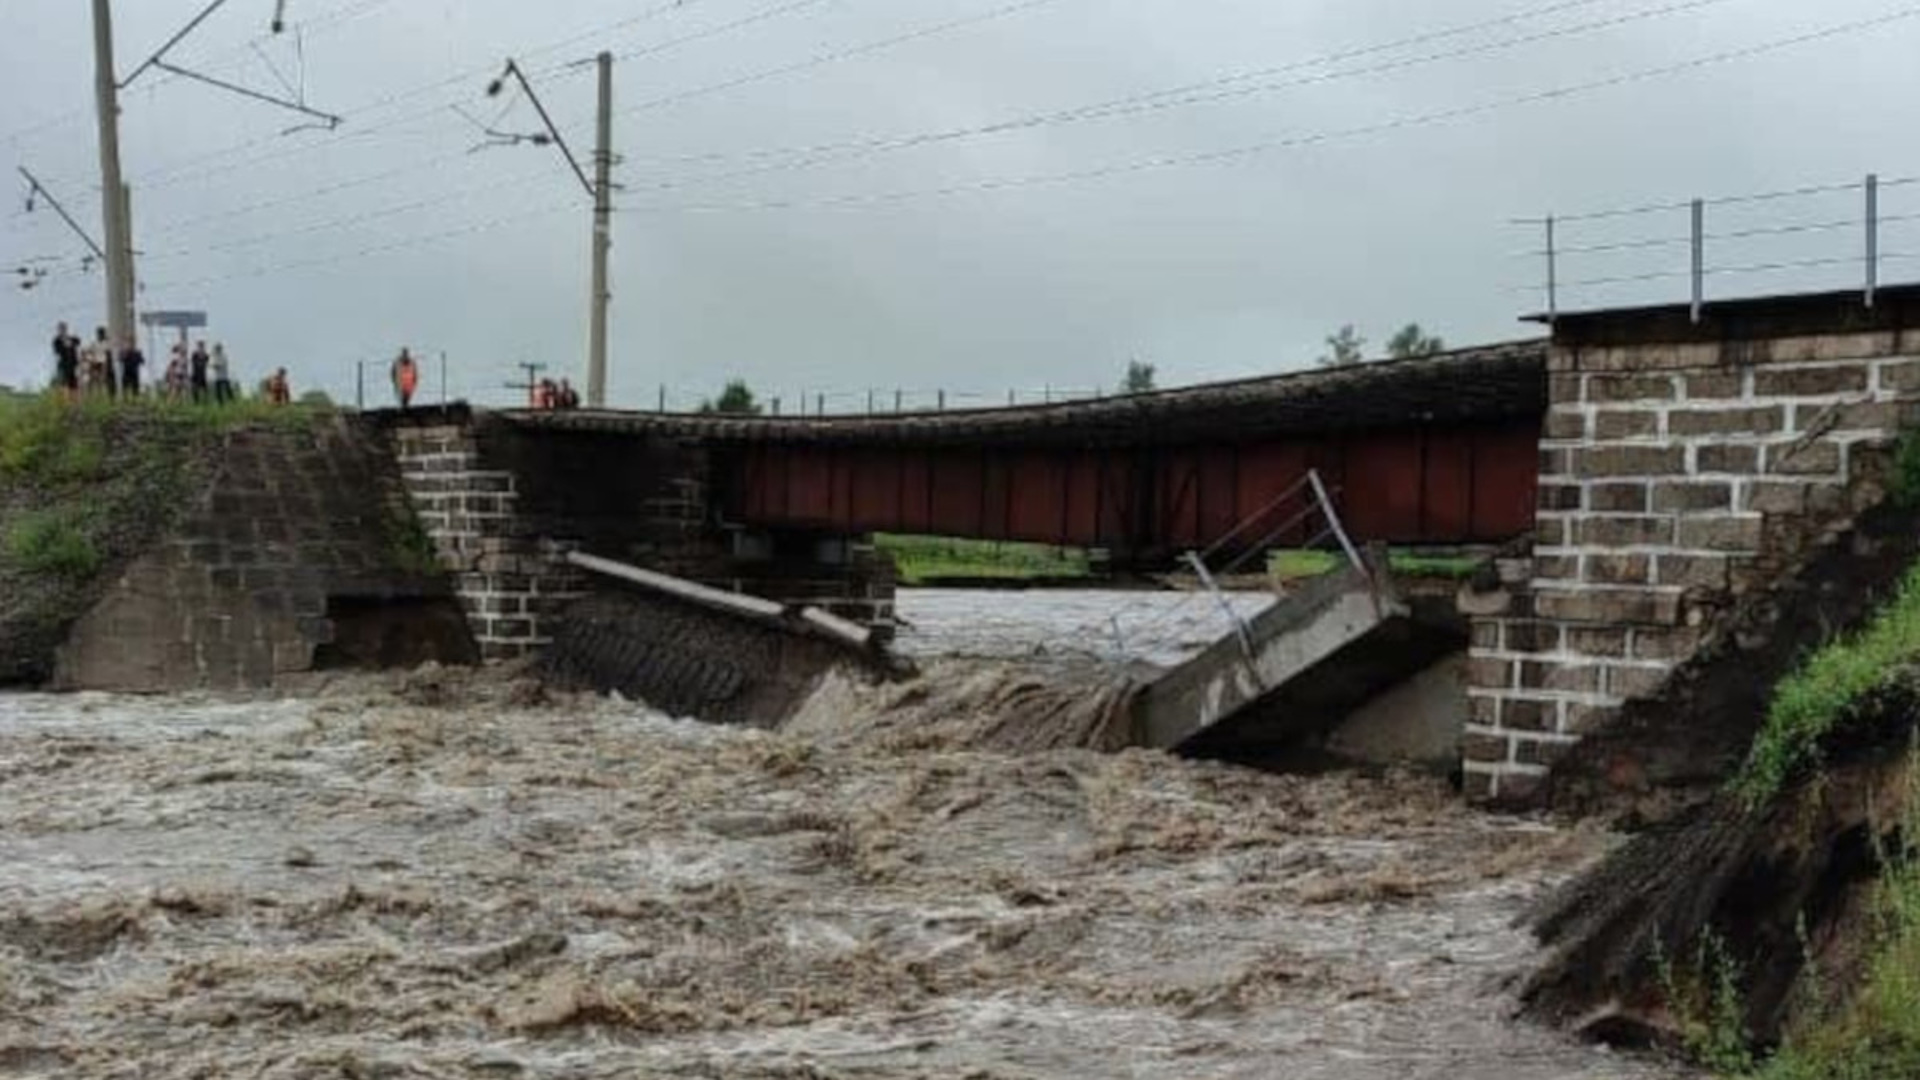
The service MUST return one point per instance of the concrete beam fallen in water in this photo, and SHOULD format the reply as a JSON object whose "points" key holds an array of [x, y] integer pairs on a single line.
{"points": [[757, 609]]}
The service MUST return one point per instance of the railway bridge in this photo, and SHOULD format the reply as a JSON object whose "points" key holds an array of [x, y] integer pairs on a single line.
{"points": [[1668, 471], [1434, 451]]}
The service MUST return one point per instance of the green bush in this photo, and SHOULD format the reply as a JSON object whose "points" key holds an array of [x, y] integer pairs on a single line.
{"points": [[46, 542], [1807, 703]]}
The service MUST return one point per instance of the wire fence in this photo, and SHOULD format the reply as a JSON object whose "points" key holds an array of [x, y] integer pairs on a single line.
{"points": [[878, 401], [1823, 236]]}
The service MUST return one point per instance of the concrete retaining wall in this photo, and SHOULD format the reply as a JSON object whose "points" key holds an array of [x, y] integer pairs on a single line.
{"points": [[1674, 479]]}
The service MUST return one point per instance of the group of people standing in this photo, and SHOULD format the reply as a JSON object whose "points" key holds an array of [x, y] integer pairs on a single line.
{"points": [[96, 368], [550, 395]]}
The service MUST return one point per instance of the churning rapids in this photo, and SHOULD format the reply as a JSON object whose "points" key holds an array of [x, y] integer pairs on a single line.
{"points": [[453, 875]]}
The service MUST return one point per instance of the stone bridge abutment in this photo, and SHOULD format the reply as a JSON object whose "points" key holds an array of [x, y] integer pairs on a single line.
{"points": [[1684, 468]]}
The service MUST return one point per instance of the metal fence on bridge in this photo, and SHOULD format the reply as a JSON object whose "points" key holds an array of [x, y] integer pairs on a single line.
{"points": [[1818, 237]]}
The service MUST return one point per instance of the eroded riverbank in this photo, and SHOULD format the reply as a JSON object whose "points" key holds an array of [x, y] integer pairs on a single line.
{"points": [[458, 880]]}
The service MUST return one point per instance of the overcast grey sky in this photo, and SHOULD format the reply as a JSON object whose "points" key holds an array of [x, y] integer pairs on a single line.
{"points": [[1373, 187]]}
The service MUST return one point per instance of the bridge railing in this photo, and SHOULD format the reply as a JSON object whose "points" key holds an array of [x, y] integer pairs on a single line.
{"points": [[1303, 517], [1820, 236]]}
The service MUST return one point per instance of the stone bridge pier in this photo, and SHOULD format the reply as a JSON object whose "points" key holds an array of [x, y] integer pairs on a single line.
{"points": [[504, 505], [1685, 467]]}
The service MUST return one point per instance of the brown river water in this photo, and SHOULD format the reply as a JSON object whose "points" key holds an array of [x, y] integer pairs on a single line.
{"points": [[448, 875]]}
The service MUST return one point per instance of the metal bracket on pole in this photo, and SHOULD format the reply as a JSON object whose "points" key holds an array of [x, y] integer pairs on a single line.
{"points": [[326, 118], [553, 130], [160, 54], [1873, 236], [40, 189], [1699, 255]]}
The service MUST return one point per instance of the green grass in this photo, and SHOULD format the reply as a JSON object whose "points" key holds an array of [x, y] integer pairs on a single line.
{"points": [[1903, 486], [1876, 1035], [1815, 696], [53, 541], [920, 559], [1292, 564]]}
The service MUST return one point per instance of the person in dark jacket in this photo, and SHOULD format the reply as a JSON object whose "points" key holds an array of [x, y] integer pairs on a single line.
{"points": [[66, 362], [197, 373], [131, 361]]}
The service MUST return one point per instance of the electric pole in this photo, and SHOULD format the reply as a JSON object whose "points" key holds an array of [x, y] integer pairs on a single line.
{"points": [[116, 199], [114, 203], [602, 238], [599, 189]]}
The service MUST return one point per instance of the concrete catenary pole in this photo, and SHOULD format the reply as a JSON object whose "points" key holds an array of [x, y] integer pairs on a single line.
{"points": [[114, 203], [602, 238]]}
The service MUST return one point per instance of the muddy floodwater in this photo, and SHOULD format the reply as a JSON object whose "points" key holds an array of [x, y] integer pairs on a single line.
{"points": [[445, 875]]}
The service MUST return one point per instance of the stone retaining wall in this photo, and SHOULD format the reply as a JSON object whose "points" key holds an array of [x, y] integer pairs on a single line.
{"points": [[242, 591], [512, 584], [1674, 479], [503, 505]]}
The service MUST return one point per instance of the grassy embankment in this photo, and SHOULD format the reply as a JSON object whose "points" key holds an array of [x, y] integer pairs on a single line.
{"points": [[921, 559], [85, 487], [1292, 565], [1872, 1033]]}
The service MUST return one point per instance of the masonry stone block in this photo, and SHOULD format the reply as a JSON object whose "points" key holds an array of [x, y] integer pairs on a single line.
{"points": [[1617, 608], [1564, 424], [1776, 497], [1489, 672], [1529, 714], [1734, 534], [1692, 571], [1625, 498], [1557, 676], [1728, 458], [1759, 420], [1713, 385], [1541, 751], [1602, 641], [1670, 497], [1619, 569], [1824, 380], [1821, 457], [1565, 389], [1560, 497], [1630, 424], [1623, 530], [1486, 747], [1902, 377], [1531, 636], [1618, 388], [1556, 567], [1606, 461]]}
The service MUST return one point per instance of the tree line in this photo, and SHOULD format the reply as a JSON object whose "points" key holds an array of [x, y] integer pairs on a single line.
{"points": [[1345, 348]]}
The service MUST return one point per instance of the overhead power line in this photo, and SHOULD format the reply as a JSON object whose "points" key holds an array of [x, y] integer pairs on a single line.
{"points": [[199, 167], [1237, 153], [1089, 111], [407, 243], [1320, 60], [311, 27], [1177, 97], [836, 56]]}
